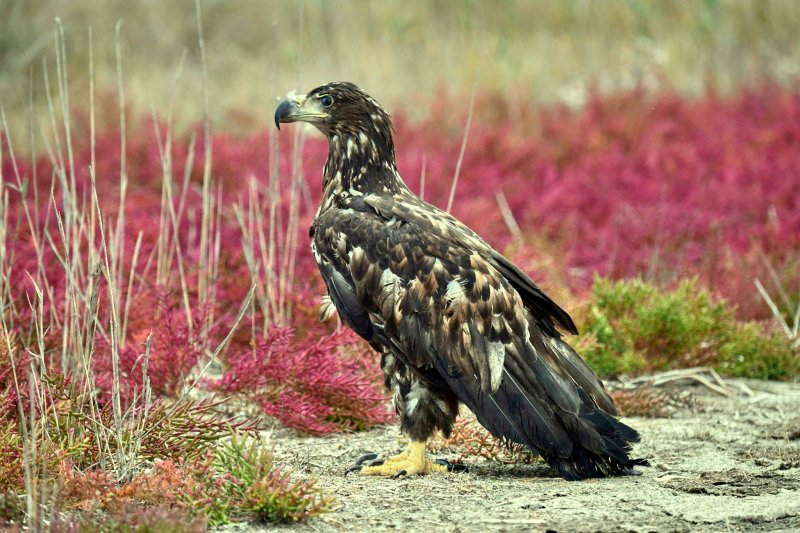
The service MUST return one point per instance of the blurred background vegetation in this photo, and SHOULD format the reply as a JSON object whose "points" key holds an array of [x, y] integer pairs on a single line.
{"points": [[402, 52]]}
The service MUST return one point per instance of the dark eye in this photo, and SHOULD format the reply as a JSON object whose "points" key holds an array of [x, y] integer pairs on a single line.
{"points": [[326, 100]]}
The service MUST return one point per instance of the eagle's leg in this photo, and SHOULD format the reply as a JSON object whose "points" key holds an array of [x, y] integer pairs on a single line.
{"points": [[423, 410]]}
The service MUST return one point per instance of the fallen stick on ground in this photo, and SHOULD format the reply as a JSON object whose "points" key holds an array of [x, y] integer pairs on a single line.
{"points": [[705, 376]]}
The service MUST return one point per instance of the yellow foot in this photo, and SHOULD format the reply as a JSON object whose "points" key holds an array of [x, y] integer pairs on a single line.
{"points": [[409, 463]]}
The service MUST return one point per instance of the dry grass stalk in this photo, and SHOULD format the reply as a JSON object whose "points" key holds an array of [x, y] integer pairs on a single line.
{"points": [[62, 417]]}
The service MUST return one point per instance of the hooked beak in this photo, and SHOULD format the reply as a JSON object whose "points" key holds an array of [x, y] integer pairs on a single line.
{"points": [[298, 108]]}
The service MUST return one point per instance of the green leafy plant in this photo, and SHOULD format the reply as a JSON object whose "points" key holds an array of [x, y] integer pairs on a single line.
{"points": [[278, 497], [635, 326], [246, 459], [241, 460], [257, 486]]}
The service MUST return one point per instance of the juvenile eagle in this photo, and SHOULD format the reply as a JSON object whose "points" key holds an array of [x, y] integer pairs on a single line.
{"points": [[454, 321]]}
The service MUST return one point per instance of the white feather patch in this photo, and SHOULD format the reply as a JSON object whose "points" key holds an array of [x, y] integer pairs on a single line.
{"points": [[497, 358], [455, 294], [411, 405], [416, 394], [326, 308]]}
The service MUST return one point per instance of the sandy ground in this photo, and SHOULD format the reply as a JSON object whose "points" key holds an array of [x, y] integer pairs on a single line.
{"points": [[718, 464]]}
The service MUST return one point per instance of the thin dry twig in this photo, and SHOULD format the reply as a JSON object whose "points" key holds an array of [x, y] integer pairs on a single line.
{"points": [[792, 331], [706, 376], [508, 217]]}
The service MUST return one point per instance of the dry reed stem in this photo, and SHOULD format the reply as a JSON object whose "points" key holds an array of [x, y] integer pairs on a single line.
{"points": [[463, 148], [206, 215]]}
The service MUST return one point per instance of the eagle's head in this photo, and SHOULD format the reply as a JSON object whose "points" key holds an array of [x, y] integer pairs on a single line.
{"points": [[359, 132], [337, 109]]}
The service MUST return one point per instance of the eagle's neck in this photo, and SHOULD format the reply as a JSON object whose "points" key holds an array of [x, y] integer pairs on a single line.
{"points": [[361, 164]]}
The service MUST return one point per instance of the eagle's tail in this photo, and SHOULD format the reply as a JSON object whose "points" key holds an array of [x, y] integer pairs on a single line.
{"points": [[608, 456], [568, 420], [596, 416]]}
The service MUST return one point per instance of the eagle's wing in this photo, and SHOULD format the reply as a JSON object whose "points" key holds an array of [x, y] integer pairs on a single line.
{"points": [[410, 277]]}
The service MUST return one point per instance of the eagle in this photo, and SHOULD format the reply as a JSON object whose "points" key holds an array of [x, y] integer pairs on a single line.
{"points": [[454, 321]]}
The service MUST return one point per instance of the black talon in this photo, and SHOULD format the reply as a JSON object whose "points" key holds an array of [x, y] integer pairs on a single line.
{"points": [[399, 474], [452, 467], [369, 456], [354, 468], [368, 459]]}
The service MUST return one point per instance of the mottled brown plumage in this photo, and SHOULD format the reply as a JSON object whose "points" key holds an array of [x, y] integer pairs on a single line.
{"points": [[454, 320]]}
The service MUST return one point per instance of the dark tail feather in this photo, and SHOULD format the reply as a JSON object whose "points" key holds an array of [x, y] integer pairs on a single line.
{"points": [[612, 460], [591, 444], [576, 437]]}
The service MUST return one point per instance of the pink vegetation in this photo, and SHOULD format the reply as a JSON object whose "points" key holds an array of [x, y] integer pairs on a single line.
{"points": [[630, 185], [318, 386]]}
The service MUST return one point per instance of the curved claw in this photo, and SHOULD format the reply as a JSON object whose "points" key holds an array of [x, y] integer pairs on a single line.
{"points": [[452, 467], [368, 459], [354, 468], [398, 475], [369, 456]]}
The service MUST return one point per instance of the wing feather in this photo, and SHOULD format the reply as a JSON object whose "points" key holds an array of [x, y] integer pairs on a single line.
{"points": [[346, 301], [534, 297]]}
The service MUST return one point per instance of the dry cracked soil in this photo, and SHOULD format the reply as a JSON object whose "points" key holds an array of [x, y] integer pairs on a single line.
{"points": [[719, 463]]}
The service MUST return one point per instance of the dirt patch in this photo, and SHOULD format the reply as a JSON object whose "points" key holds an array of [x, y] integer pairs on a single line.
{"points": [[731, 483], [717, 463]]}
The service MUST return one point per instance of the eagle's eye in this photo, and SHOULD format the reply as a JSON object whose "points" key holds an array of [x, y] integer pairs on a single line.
{"points": [[326, 100]]}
